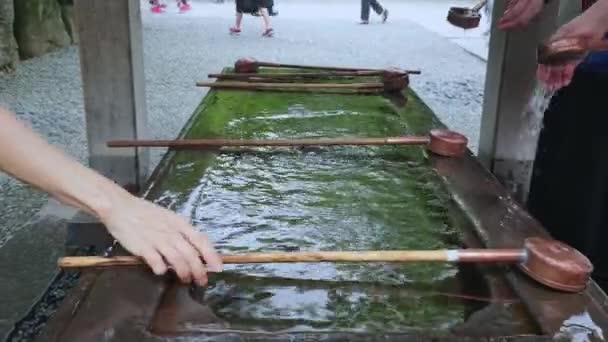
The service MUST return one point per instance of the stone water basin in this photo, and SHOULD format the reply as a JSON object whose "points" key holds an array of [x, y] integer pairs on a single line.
{"points": [[339, 198]]}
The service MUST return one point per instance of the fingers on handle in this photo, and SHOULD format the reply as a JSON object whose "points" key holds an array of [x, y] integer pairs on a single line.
{"points": [[155, 261], [204, 247], [192, 257], [176, 260]]}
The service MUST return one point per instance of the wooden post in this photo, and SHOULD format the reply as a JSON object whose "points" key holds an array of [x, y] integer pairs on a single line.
{"points": [[111, 59], [111, 56], [568, 10], [507, 145]]}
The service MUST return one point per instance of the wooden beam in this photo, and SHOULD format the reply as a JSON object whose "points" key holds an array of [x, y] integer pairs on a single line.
{"points": [[507, 145], [111, 56]]}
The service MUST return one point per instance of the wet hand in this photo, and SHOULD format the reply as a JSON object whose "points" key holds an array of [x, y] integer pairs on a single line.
{"points": [[587, 30], [161, 238], [556, 77], [519, 13]]}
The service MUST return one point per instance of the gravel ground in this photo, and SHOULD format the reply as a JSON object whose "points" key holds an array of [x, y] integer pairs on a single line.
{"points": [[31, 325], [181, 49]]}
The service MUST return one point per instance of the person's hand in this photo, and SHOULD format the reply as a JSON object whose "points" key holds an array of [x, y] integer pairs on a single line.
{"points": [[519, 13], [587, 29], [556, 77], [161, 238], [158, 235]]}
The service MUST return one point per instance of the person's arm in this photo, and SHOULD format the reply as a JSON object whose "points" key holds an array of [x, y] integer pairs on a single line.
{"points": [[143, 228], [519, 13], [590, 27]]}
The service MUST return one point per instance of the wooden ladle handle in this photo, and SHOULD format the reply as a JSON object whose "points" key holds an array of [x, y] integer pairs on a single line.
{"points": [[479, 6], [466, 255]]}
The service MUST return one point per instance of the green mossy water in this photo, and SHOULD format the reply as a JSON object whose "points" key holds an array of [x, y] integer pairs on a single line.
{"points": [[344, 198]]}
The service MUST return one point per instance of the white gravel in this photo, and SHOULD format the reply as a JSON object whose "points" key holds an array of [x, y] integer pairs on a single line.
{"points": [[181, 49]]}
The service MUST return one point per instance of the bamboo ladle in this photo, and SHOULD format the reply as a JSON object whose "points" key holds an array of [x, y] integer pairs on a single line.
{"points": [[313, 75], [251, 65], [393, 84], [377, 86], [549, 262], [466, 18], [565, 50], [392, 80], [442, 142]]}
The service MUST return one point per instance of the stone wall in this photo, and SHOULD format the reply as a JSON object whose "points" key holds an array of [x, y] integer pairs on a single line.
{"points": [[8, 45], [67, 15], [31, 28]]}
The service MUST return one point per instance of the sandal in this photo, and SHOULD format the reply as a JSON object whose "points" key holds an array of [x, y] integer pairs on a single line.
{"points": [[268, 33], [234, 30], [185, 7]]}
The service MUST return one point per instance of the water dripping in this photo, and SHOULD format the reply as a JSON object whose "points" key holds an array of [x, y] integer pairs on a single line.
{"points": [[533, 117]]}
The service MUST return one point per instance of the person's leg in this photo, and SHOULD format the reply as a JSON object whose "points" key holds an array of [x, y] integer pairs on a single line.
{"points": [[263, 6], [379, 10], [266, 18], [239, 17], [365, 11], [376, 6]]}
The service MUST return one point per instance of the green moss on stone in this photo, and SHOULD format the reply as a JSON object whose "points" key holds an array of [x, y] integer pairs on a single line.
{"points": [[342, 198], [39, 27], [8, 45]]}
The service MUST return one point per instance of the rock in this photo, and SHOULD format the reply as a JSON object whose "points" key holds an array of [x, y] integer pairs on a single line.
{"points": [[8, 45], [39, 27]]}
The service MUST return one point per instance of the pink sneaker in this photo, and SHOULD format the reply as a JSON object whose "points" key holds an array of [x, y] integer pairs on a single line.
{"points": [[184, 7], [157, 9]]}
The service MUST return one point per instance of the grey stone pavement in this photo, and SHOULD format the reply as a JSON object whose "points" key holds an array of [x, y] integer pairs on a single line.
{"points": [[181, 49]]}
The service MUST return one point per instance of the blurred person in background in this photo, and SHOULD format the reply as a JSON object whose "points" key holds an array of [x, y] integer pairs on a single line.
{"points": [[365, 6], [158, 7], [253, 7]]}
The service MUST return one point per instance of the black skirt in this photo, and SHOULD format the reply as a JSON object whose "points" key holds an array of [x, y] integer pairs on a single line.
{"points": [[252, 6], [569, 189]]}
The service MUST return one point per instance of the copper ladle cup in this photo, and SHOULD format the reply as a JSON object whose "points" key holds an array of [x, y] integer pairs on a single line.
{"points": [[556, 265], [566, 50], [466, 18]]}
